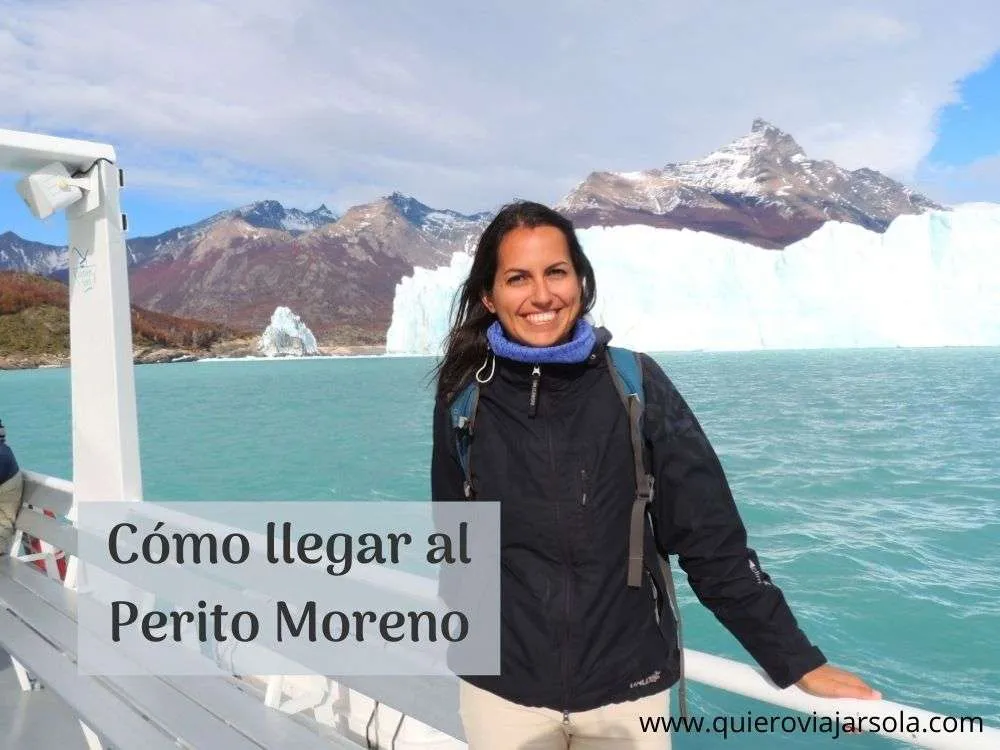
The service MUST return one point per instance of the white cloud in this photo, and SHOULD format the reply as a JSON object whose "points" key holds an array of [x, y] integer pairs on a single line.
{"points": [[853, 26], [967, 183], [465, 105]]}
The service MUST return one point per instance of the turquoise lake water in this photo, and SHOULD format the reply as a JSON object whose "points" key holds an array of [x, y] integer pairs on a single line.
{"points": [[869, 481]]}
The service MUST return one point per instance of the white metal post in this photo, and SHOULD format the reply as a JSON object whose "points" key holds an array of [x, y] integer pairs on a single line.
{"points": [[105, 428]]}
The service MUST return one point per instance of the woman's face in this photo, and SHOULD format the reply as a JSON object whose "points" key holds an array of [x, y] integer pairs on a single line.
{"points": [[536, 291]]}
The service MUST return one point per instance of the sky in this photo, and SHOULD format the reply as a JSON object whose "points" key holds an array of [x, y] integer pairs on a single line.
{"points": [[213, 104]]}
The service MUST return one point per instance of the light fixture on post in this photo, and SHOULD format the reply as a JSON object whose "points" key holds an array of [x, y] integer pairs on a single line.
{"points": [[52, 188]]}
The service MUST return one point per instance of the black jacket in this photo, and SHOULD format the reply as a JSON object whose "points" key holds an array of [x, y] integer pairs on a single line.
{"points": [[573, 635]]}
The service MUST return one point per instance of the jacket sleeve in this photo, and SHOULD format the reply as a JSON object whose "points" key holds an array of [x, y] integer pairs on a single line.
{"points": [[696, 518], [8, 464]]}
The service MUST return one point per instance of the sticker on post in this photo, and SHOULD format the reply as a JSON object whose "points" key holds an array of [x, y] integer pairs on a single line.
{"points": [[84, 274]]}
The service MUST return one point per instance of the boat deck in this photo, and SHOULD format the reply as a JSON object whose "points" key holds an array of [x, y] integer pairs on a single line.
{"points": [[39, 719]]}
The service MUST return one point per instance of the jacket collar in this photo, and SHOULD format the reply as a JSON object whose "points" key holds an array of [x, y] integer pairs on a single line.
{"points": [[555, 374]]}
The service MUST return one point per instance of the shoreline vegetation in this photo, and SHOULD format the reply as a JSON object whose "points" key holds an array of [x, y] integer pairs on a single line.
{"points": [[34, 331], [156, 355]]}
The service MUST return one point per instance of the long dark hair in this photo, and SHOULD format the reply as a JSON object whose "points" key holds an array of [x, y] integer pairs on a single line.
{"points": [[466, 345]]}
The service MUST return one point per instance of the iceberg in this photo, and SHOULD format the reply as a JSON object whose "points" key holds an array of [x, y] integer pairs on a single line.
{"points": [[930, 280], [287, 336]]}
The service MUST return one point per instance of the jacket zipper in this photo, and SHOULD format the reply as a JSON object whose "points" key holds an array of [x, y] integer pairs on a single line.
{"points": [[583, 483], [536, 375]]}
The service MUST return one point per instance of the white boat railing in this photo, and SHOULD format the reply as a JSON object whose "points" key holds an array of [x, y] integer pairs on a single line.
{"points": [[432, 709]]}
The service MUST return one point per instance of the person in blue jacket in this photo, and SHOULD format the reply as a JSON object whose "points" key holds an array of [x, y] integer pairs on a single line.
{"points": [[11, 483], [584, 655]]}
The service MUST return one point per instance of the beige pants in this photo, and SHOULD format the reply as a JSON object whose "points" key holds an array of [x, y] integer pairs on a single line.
{"points": [[492, 723], [10, 506]]}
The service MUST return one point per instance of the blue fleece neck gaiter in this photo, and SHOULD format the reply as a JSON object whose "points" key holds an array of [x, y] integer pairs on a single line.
{"points": [[577, 349]]}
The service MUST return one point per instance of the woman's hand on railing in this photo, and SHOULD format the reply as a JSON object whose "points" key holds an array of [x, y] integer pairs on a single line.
{"points": [[829, 681]]}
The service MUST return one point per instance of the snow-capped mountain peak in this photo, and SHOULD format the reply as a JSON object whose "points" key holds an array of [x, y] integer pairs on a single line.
{"points": [[19, 254], [760, 187], [270, 214], [410, 207], [430, 218], [743, 165]]}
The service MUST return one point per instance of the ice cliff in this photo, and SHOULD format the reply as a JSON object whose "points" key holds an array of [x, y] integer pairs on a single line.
{"points": [[930, 280]]}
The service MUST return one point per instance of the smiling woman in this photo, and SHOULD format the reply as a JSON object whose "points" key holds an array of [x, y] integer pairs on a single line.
{"points": [[588, 643]]}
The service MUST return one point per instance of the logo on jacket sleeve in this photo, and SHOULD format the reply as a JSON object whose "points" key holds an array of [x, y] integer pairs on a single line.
{"points": [[655, 677]]}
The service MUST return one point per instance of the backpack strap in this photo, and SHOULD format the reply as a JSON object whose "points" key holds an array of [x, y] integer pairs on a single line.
{"points": [[626, 368], [463, 420]]}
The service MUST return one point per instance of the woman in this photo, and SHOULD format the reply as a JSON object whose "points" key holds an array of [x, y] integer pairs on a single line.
{"points": [[583, 654]]}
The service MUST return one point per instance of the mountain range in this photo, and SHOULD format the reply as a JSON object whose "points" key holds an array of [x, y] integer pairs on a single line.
{"points": [[339, 273]]}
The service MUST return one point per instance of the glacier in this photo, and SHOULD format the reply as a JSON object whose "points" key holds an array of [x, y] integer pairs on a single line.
{"points": [[287, 336], [931, 280]]}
